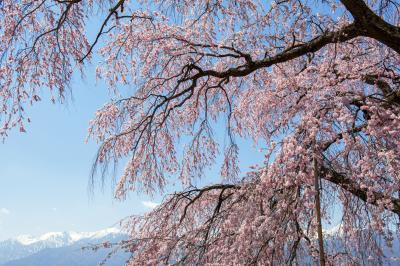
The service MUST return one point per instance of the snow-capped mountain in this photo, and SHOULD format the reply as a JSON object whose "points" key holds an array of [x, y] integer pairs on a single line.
{"points": [[59, 239], [19, 250]]}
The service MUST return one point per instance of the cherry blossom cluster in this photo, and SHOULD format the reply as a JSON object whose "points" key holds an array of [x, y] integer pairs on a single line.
{"points": [[316, 83]]}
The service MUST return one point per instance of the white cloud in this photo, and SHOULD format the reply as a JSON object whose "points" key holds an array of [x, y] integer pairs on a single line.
{"points": [[4, 211], [150, 204], [54, 209]]}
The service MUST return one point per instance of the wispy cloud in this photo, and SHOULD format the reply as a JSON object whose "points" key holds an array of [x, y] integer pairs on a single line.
{"points": [[4, 211], [150, 204]]}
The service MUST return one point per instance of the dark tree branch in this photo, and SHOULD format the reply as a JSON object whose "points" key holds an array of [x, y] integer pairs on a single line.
{"points": [[103, 25], [352, 187], [347, 33], [372, 25]]}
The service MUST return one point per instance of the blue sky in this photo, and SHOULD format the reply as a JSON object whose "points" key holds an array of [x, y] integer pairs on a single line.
{"points": [[45, 172]]}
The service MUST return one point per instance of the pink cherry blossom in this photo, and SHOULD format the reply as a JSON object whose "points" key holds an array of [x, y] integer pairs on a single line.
{"points": [[317, 82]]}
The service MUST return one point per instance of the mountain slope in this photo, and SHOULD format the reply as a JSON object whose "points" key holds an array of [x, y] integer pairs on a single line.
{"points": [[59, 249], [68, 256]]}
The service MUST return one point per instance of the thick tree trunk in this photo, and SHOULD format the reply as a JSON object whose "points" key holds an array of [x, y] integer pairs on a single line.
{"points": [[372, 25]]}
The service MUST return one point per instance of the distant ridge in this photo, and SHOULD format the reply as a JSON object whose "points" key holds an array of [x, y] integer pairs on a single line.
{"points": [[60, 248], [69, 237]]}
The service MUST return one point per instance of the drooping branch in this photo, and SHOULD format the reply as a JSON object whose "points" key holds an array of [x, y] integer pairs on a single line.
{"points": [[362, 193], [112, 11], [347, 33]]}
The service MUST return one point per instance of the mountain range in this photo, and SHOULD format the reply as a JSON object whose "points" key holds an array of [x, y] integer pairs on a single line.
{"points": [[65, 249], [61, 249]]}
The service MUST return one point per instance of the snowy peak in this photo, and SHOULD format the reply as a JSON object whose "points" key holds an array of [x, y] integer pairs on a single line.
{"points": [[57, 239], [53, 237], [26, 245], [75, 236]]}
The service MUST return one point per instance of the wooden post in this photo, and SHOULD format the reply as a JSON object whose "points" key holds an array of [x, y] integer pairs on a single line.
{"points": [[318, 212]]}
